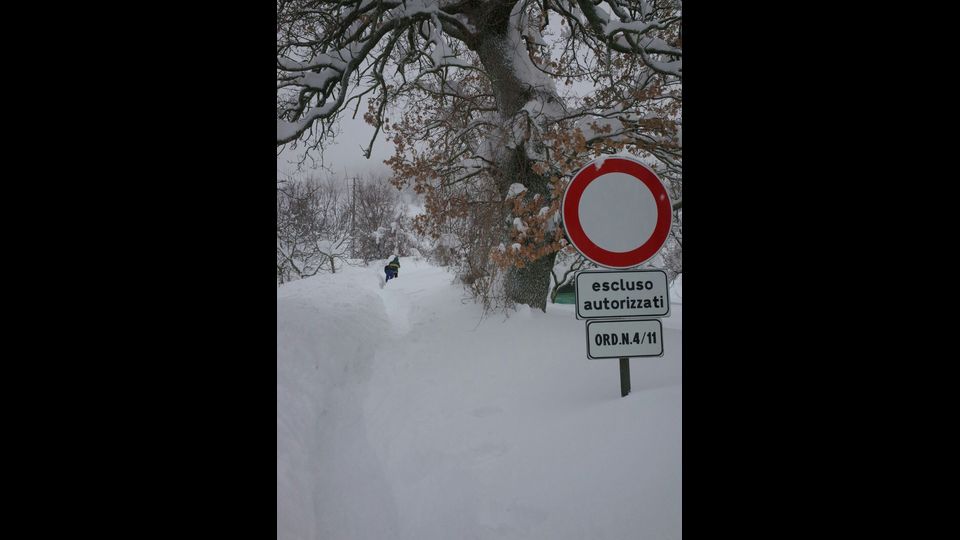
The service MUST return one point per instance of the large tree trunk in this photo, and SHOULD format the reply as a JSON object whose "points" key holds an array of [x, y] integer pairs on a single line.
{"points": [[530, 284]]}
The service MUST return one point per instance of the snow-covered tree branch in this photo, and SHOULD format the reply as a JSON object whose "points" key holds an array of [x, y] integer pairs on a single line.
{"points": [[488, 94]]}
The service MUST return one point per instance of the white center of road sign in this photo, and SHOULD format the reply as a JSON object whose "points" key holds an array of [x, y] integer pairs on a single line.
{"points": [[618, 212]]}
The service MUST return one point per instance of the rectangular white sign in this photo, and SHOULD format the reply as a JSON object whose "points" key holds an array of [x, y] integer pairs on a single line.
{"points": [[624, 339], [607, 294]]}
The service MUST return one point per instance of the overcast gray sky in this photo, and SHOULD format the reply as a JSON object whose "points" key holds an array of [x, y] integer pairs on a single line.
{"points": [[344, 153]]}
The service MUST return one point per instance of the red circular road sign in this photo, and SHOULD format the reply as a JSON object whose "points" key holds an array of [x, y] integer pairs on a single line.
{"points": [[616, 211]]}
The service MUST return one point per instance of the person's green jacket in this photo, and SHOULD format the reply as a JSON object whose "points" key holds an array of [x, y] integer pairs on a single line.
{"points": [[395, 264]]}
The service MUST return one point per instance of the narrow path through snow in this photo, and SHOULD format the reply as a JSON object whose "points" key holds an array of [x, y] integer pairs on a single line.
{"points": [[404, 298]]}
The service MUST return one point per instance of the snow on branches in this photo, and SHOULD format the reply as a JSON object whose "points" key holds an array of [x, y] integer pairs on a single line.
{"points": [[484, 95]]}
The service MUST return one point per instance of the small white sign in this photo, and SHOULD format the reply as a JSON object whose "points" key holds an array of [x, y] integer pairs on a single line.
{"points": [[604, 294], [624, 339]]}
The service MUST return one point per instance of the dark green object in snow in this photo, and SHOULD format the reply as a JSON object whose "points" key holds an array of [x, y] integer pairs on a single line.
{"points": [[566, 294]]}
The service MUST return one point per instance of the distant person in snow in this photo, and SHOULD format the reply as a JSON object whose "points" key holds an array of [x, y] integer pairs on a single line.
{"points": [[392, 269]]}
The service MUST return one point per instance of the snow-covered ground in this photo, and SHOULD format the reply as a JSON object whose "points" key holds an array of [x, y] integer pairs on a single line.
{"points": [[402, 414]]}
